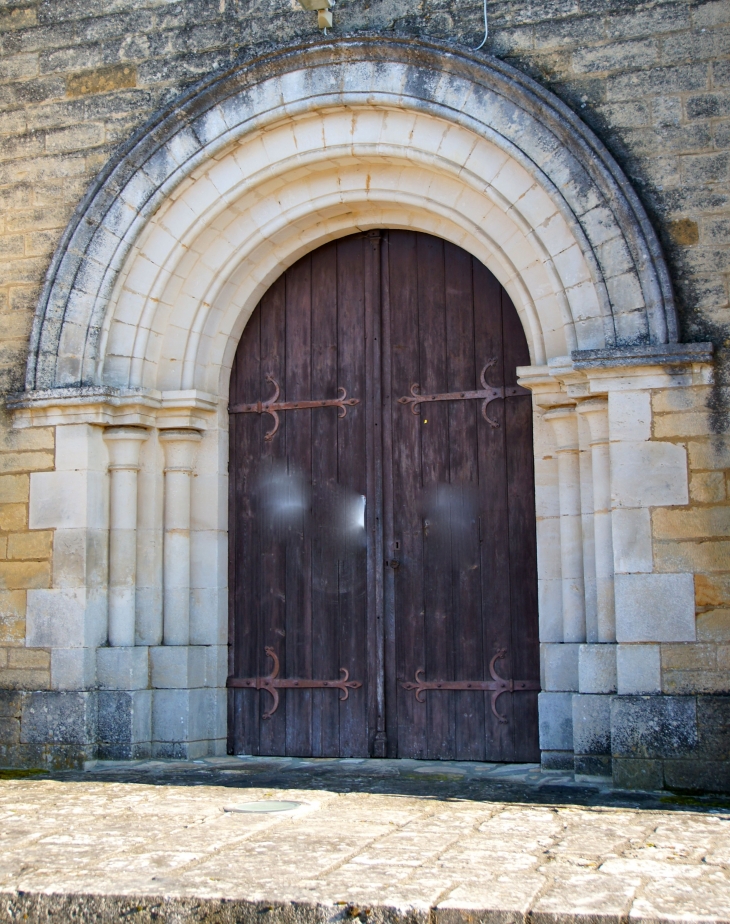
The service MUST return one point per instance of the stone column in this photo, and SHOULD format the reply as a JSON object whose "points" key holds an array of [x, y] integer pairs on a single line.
{"points": [[180, 447], [124, 445], [564, 423], [596, 413]]}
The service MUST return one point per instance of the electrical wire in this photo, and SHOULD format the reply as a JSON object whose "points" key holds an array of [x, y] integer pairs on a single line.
{"points": [[486, 28]]}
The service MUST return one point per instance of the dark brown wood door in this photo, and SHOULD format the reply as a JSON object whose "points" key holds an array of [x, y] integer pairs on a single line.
{"points": [[377, 540]]}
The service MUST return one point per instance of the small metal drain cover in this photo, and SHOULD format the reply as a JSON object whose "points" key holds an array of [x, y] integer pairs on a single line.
{"points": [[255, 808]]}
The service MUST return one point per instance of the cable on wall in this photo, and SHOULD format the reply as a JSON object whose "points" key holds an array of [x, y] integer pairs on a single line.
{"points": [[486, 28]]}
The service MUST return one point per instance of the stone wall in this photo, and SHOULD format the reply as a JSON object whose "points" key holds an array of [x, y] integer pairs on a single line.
{"points": [[652, 79]]}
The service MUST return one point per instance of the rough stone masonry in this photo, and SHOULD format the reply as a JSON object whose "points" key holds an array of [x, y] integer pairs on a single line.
{"points": [[78, 79]]}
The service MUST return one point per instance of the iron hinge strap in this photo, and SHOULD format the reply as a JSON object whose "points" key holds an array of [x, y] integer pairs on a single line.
{"points": [[273, 683], [496, 686], [486, 394], [273, 406]]}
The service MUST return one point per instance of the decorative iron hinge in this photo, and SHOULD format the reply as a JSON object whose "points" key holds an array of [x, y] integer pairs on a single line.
{"points": [[273, 406], [272, 684], [486, 394], [496, 686]]}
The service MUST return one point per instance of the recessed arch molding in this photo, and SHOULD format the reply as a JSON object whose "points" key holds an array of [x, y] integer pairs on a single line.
{"points": [[483, 96]]}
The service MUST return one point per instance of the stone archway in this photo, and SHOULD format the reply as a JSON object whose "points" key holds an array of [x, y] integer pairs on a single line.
{"points": [[174, 245]]}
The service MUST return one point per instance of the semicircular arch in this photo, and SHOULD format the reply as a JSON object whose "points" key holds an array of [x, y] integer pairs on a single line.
{"points": [[181, 234]]}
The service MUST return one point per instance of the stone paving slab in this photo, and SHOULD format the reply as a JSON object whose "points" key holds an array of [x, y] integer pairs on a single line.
{"points": [[378, 841]]}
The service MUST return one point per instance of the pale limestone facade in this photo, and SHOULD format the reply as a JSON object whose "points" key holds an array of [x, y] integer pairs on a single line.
{"points": [[114, 613]]}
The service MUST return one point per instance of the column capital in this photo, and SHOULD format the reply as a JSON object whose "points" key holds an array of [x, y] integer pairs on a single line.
{"points": [[180, 446], [595, 411], [565, 427], [124, 444]]}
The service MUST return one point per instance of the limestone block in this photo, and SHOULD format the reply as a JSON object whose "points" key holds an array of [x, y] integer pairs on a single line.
{"points": [[65, 618], [12, 617], [550, 608], [713, 727], [34, 545], [14, 489], [707, 487], [208, 559], [548, 547], [80, 557], [689, 657], [703, 775], [21, 575], [655, 608], [648, 474], [557, 760], [63, 718], [650, 727], [691, 555], [80, 447], [597, 669], [123, 668], [73, 668], [697, 523], [632, 547], [68, 500], [125, 724], [178, 666], [713, 626], [591, 724], [629, 416], [712, 589], [556, 721], [218, 710], [638, 669], [712, 454], [181, 715], [216, 665], [559, 667], [636, 773]]}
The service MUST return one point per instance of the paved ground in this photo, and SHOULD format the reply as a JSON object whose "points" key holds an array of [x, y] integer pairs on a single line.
{"points": [[406, 841]]}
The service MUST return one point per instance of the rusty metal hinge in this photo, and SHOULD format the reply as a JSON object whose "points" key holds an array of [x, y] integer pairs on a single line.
{"points": [[273, 406], [496, 686], [486, 394], [272, 684]]}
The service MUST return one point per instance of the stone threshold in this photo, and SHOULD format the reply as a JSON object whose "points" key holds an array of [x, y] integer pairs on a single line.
{"points": [[441, 770]]}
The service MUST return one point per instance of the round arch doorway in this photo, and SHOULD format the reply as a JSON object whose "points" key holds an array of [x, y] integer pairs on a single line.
{"points": [[382, 553]]}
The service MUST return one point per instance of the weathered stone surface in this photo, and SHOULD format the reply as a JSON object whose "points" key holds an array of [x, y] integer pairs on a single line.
{"points": [[63, 718], [388, 842], [591, 724], [637, 773], [653, 726], [124, 724], [556, 721]]}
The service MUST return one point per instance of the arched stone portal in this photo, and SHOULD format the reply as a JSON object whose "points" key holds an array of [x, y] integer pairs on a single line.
{"points": [[175, 244]]}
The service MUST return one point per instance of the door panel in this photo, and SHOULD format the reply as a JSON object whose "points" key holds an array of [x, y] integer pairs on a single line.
{"points": [[298, 583], [464, 508], [443, 576]]}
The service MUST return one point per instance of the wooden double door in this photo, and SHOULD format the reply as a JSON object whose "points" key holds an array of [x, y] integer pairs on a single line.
{"points": [[382, 523]]}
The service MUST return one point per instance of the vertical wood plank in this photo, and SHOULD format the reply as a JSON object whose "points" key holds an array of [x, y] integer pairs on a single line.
{"points": [[408, 526], [271, 566], [462, 452], [492, 460], [434, 418], [352, 474], [325, 610], [298, 386], [244, 437], [391, 549], [525, 660]]}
